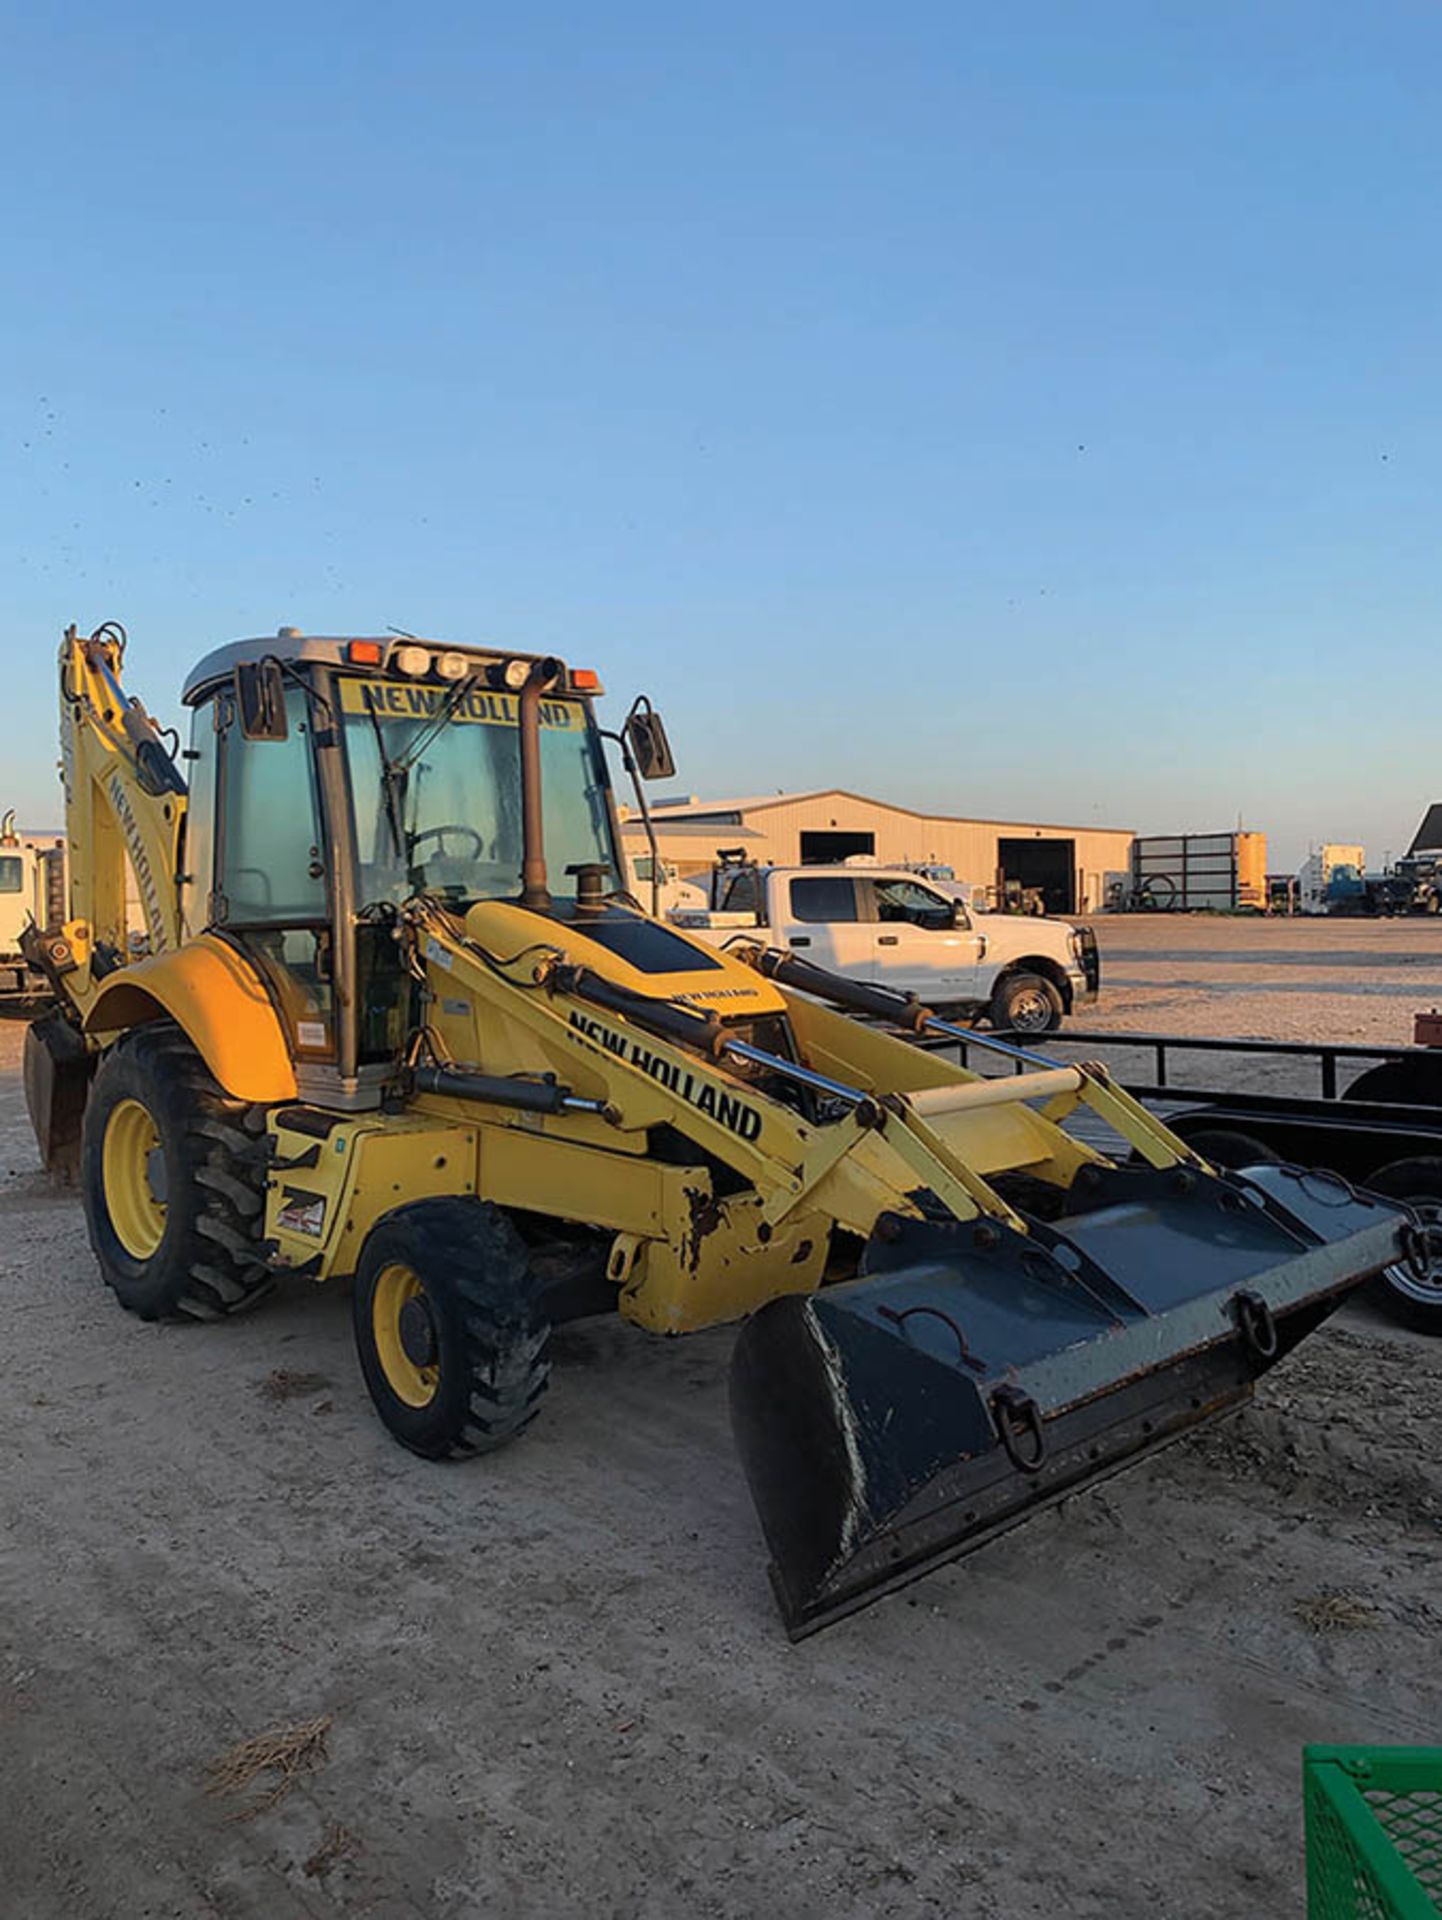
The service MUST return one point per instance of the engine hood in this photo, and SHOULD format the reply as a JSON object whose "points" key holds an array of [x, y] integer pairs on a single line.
{"points": [[633, 951]]}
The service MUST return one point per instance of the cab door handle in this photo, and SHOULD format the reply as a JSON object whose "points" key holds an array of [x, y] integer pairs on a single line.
{"points": [[888, 940], [801, 940]]}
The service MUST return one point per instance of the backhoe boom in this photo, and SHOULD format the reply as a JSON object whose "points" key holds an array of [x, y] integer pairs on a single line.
{"points": [[125, 804]]}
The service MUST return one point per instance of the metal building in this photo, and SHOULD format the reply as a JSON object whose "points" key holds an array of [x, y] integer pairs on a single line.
{"points": [[1073, 868]]}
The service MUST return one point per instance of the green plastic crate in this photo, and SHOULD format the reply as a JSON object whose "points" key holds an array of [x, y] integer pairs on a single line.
{"points": [[1374, 1832]]}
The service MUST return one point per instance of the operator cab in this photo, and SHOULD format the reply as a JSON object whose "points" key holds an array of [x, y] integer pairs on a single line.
{"points": [[332, 779]]}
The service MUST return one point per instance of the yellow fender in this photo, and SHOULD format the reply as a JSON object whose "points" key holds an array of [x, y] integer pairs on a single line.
{"points": [[217, 999]]}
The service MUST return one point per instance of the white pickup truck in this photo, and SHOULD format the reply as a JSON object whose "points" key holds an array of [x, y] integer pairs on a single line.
{"points": [[892, 928]]}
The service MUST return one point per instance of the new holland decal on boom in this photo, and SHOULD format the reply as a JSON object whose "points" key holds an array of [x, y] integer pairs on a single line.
{"points": [[700, 1091]]}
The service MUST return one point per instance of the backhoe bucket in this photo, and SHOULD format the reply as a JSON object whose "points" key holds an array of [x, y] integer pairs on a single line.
{"points": [[57, 1071], [975, 1373]]}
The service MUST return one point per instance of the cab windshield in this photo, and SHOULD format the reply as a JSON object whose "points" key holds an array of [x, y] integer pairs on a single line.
{"points": [[448, 820]]}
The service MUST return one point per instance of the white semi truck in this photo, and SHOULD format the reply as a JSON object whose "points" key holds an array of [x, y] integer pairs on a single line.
{"points": [[29, 874], [895, 928]]}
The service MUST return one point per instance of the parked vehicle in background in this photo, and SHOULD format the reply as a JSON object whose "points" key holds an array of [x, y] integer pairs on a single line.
{"points": [[27, 893], [893, 928], [674, 894], [1328, 864], [1015, 898], [1412, 885]]}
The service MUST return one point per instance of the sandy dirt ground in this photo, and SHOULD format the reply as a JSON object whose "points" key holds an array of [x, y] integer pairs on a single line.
{"points": [[1337, 980], [556, 1682]]}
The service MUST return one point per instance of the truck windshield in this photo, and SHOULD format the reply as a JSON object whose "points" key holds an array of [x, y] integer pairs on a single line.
{"points": [[450, 822]]}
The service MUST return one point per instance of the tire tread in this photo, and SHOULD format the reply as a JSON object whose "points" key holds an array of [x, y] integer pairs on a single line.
{"points": [[221, 1271], [471, 1247]]}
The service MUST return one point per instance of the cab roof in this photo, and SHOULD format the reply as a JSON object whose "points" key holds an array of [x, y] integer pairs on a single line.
{"points": [[294, 649]]}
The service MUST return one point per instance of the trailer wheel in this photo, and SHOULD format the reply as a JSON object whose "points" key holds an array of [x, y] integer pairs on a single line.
{"points": [[171, 1182], [1228, 1147], [450, 1327], [1026, 1003], [1415, 1300], [1415, 1080]]}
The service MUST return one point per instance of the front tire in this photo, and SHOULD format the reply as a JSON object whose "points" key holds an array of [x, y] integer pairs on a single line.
{"points": [[172, 1183], [451, 1327], [1026, 1003]]}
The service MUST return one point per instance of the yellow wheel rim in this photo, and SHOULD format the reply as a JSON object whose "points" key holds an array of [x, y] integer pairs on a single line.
{"points": [[136, 1213], [407, 1380]]}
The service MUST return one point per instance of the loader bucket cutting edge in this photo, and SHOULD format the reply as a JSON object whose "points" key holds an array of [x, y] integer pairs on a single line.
{"points": [[898, 1421]]}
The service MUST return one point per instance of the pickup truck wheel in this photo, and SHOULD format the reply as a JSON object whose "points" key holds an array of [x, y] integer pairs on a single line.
{"points": [[1414, 1299], [1026, 1003]]}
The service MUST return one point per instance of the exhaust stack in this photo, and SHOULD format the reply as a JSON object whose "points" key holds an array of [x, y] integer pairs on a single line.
{"points": [[535, 894]]}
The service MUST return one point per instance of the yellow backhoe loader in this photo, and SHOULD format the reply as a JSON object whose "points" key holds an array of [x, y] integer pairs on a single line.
{"points": [[398, 1023]]}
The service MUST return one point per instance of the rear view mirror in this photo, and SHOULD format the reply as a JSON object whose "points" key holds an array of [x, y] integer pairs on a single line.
{"points": [[260, 700], [646, 738]]}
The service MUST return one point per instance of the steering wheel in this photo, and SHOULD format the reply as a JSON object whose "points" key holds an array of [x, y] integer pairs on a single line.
{"points": [[438, 833]]}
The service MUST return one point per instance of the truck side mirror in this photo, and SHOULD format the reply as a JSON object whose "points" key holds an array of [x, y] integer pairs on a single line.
{"points": [[260, 700], [646, 738]]}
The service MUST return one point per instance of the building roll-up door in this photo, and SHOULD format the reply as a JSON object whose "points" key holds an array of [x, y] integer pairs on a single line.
{"points": [[1049, 865]]}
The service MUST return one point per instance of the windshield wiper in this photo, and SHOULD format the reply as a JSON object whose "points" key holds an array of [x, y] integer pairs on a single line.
{"points": [[392, 785], [444, 714], [395, 770]]}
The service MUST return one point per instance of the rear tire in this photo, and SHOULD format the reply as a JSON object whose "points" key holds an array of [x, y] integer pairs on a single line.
{"points": [[451, 1327], [172, 1182], [1417, 1303], [1026, 1003]]}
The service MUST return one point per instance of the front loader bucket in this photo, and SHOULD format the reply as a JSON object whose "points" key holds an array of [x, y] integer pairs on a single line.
{"points": [[894, 1422]]}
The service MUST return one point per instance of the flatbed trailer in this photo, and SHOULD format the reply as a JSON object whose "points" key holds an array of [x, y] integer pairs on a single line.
{"points": [[1374, 1120]]}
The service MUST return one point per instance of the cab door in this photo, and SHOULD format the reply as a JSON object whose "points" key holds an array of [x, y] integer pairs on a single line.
{"points": [[823, 918], [925, 942], [264, 852]]}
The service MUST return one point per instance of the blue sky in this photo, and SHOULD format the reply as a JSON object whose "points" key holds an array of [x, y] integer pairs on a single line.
{"points": [[1028, 410]]}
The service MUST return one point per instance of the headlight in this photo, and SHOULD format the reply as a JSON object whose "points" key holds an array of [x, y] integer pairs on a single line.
{"points": [[413, 661], [452, 666], [516, 673]]}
